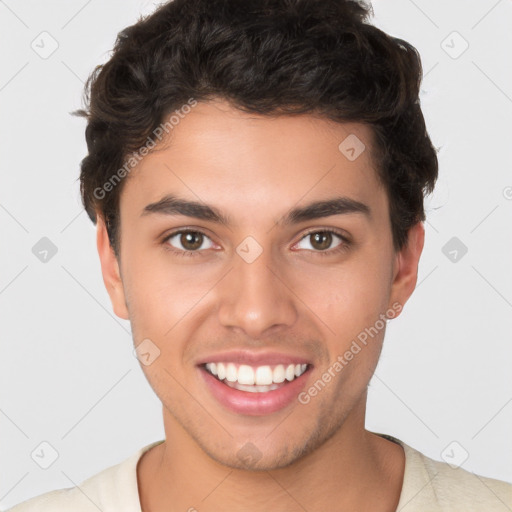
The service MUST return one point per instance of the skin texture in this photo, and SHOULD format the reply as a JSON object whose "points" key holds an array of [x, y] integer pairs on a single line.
{"points": [[294, 298]]}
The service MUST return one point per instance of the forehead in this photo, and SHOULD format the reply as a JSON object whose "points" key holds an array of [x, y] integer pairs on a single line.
{"points": [[221, 155]]}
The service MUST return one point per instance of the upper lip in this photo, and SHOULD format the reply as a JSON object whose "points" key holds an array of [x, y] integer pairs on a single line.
{"points": [[253, 358]]}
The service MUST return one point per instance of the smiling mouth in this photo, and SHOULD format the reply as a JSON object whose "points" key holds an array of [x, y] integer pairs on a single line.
{"points": [[255, 379]]}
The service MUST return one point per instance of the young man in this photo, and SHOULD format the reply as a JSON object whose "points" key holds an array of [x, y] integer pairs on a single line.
{"points": [[256, 170]]}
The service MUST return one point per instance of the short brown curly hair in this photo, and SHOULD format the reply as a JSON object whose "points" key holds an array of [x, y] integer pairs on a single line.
{"points": [[270, 57]]}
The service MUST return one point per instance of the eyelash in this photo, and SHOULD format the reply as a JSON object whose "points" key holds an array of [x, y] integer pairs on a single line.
{"points": [[342, 247]]}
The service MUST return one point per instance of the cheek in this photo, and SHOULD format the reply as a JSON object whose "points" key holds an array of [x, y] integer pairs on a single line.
{"points": [[349, 304], [161, 294], [348, 298]]}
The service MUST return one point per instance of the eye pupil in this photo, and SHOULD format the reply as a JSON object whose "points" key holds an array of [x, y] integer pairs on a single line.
{"points": [[191, 240], [321, 240]]}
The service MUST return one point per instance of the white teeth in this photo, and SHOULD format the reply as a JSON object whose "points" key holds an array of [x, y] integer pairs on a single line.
{"points": [[278, 374], [221, 371], [263, 376], [245, 375], [231, 373], [258, 377], [252, 389]]}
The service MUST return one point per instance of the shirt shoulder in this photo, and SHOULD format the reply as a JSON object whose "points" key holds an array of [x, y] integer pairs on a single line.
{"points": [[437, 486], [114, 488]]}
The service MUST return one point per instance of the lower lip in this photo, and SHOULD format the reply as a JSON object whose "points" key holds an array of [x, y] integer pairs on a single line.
{"points": [[254, 404]]}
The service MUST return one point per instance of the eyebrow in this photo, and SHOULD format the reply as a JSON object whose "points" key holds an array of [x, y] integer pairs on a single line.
{"points": [[172, 205]]}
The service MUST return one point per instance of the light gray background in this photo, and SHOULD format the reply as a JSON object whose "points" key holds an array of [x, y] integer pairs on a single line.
{"points": [[68, 376]]}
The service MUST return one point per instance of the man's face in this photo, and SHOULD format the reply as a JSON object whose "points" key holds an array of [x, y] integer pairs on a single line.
{"points": [[263, 291]]}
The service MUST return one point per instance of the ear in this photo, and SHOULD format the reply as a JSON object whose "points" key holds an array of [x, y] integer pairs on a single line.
{"points": [[405, 271], [110, 270]]}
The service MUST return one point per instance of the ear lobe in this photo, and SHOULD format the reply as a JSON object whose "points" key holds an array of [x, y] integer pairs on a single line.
{"points": [[110, 270], [406, 266]]}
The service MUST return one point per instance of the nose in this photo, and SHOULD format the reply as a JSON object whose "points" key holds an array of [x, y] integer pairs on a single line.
{"points": [[255, 297]]}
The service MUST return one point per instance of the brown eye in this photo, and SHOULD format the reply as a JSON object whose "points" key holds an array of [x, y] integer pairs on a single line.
{"points": [[190, 241], [321, 241]]}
